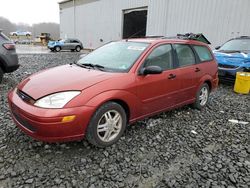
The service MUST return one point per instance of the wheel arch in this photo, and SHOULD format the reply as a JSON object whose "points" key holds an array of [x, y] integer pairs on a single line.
{"points": [[209, 83], [124, 105], [208, 80]]}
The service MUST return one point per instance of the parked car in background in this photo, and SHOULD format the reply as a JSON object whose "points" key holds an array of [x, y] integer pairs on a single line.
{"points": [[67, 44], [21, 33], [233, 57], [8, 56], [119, 83]]}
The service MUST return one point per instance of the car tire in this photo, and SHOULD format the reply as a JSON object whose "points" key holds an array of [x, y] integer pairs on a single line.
{"points": [[57, 48], [1, 75], [15, 34], [27, 35], [115, 118], [202, 96], [78, 48]]}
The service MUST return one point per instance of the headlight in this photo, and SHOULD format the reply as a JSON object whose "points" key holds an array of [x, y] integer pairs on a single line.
{"points": [[57, 100]]}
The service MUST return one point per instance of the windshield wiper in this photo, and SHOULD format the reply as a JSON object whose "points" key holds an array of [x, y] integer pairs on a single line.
{"points": [[99, 67]]}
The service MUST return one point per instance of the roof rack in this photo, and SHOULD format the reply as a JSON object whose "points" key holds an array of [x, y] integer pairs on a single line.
{"points": [[190, 36]]}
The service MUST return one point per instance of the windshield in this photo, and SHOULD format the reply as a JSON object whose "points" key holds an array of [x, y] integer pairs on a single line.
{"points": [[115, 56], [240, 45]]}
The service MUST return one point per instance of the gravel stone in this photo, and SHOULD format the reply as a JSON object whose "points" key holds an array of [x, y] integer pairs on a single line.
{"points": [[161, 151]]}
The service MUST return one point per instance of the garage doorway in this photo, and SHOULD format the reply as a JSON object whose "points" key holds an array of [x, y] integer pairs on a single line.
{"points": [[135, 23]]}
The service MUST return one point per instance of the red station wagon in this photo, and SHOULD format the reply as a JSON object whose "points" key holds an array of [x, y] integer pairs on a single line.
{"points": [[115, 85]]}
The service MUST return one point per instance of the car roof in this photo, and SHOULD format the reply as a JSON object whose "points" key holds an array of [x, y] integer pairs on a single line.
{"points": [[167, 40], [241, 37]]}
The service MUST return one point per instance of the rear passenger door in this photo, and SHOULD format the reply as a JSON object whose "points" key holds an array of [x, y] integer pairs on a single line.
{"points": [[203, 64], [186, 61]]}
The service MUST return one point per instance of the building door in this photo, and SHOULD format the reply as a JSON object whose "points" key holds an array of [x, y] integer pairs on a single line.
{"points": [[135, 23]]}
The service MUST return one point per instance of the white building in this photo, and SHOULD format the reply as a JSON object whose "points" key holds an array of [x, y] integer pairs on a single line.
{"points": [[96, 22]]}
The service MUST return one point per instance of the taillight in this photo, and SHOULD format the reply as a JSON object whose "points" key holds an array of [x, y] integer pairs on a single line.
{"points": [[9, 46]]}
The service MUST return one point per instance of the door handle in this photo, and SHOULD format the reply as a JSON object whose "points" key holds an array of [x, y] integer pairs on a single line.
{"points": [[197, 69], [171, 76]]}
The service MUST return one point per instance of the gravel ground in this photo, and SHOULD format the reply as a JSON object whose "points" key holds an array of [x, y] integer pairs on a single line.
{"points": [[181, 148]]}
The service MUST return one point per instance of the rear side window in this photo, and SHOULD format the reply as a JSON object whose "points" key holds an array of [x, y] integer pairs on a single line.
{"points": [[161, 56], [203, 53], [185, 55]]}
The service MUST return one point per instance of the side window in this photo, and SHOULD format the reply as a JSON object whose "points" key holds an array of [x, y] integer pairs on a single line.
{"points": [[203, 53], [185, 55], [67, 41], [161, 56], [74, 41]]}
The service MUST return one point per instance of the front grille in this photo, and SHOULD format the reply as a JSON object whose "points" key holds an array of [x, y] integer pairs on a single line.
{"points": [[25, 97], [227, 66], [20, 120]]}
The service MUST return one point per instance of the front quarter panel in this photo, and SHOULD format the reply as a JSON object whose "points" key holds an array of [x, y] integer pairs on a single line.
{"points": [[120, 87]]}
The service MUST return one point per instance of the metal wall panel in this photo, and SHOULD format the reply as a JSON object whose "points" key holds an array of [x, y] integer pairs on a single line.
{"points": [[219, 20]]}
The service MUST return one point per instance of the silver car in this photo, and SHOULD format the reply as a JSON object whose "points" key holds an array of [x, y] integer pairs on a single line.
{"points": [[67, 44], [8, 56]]}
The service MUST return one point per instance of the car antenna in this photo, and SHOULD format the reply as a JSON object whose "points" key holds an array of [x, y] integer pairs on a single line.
{"points": [[130, 37]]}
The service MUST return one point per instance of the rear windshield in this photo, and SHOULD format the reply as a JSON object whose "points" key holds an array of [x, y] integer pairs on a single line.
{"points": [[3, 36]]}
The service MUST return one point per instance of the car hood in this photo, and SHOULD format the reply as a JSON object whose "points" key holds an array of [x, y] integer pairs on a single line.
{"points": [[235, 59], [62, 78]]}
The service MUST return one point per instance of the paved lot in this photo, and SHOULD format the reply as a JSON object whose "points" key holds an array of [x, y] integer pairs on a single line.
{"points": [[181, 148]]}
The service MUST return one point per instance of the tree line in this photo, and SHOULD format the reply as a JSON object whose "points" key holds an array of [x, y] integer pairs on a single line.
{"points": [[36, 29]]}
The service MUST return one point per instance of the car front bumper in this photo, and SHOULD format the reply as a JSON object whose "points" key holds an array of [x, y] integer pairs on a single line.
{"points": [[46, 124], [228, 74]]}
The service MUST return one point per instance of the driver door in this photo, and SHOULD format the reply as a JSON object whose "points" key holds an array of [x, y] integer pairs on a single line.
{"points": [[157, 91]]}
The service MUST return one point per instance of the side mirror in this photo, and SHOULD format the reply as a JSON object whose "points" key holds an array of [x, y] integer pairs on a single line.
{"points": [[151, 70], [217, 47]]}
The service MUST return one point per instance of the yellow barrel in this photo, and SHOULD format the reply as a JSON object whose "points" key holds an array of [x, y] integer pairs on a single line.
{"points": [[242, 83]]}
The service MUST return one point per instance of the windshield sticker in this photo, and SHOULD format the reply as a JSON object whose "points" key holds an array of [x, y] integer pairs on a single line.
{"points": [[139, 48]]}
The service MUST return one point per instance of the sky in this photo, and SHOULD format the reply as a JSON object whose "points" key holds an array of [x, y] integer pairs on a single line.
{"points": [[30, 11]]}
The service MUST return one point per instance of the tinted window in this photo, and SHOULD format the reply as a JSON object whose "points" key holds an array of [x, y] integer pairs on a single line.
{"points": [[161, 56], [203, 53], [185, 55], [74, 41]]}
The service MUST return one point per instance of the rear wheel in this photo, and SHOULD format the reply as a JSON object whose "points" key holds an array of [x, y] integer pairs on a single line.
{"points": [[78, 48], [202, 96], [1, 74], [107, 125], [57, 48]]}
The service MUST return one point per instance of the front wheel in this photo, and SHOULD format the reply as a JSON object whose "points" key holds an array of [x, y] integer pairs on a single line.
{"points": [[107, 125], [202, 96], [57, 48]]}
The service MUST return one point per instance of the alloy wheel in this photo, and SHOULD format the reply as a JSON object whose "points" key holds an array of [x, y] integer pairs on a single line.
{"points": [[203, 96], [109, 126]]}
